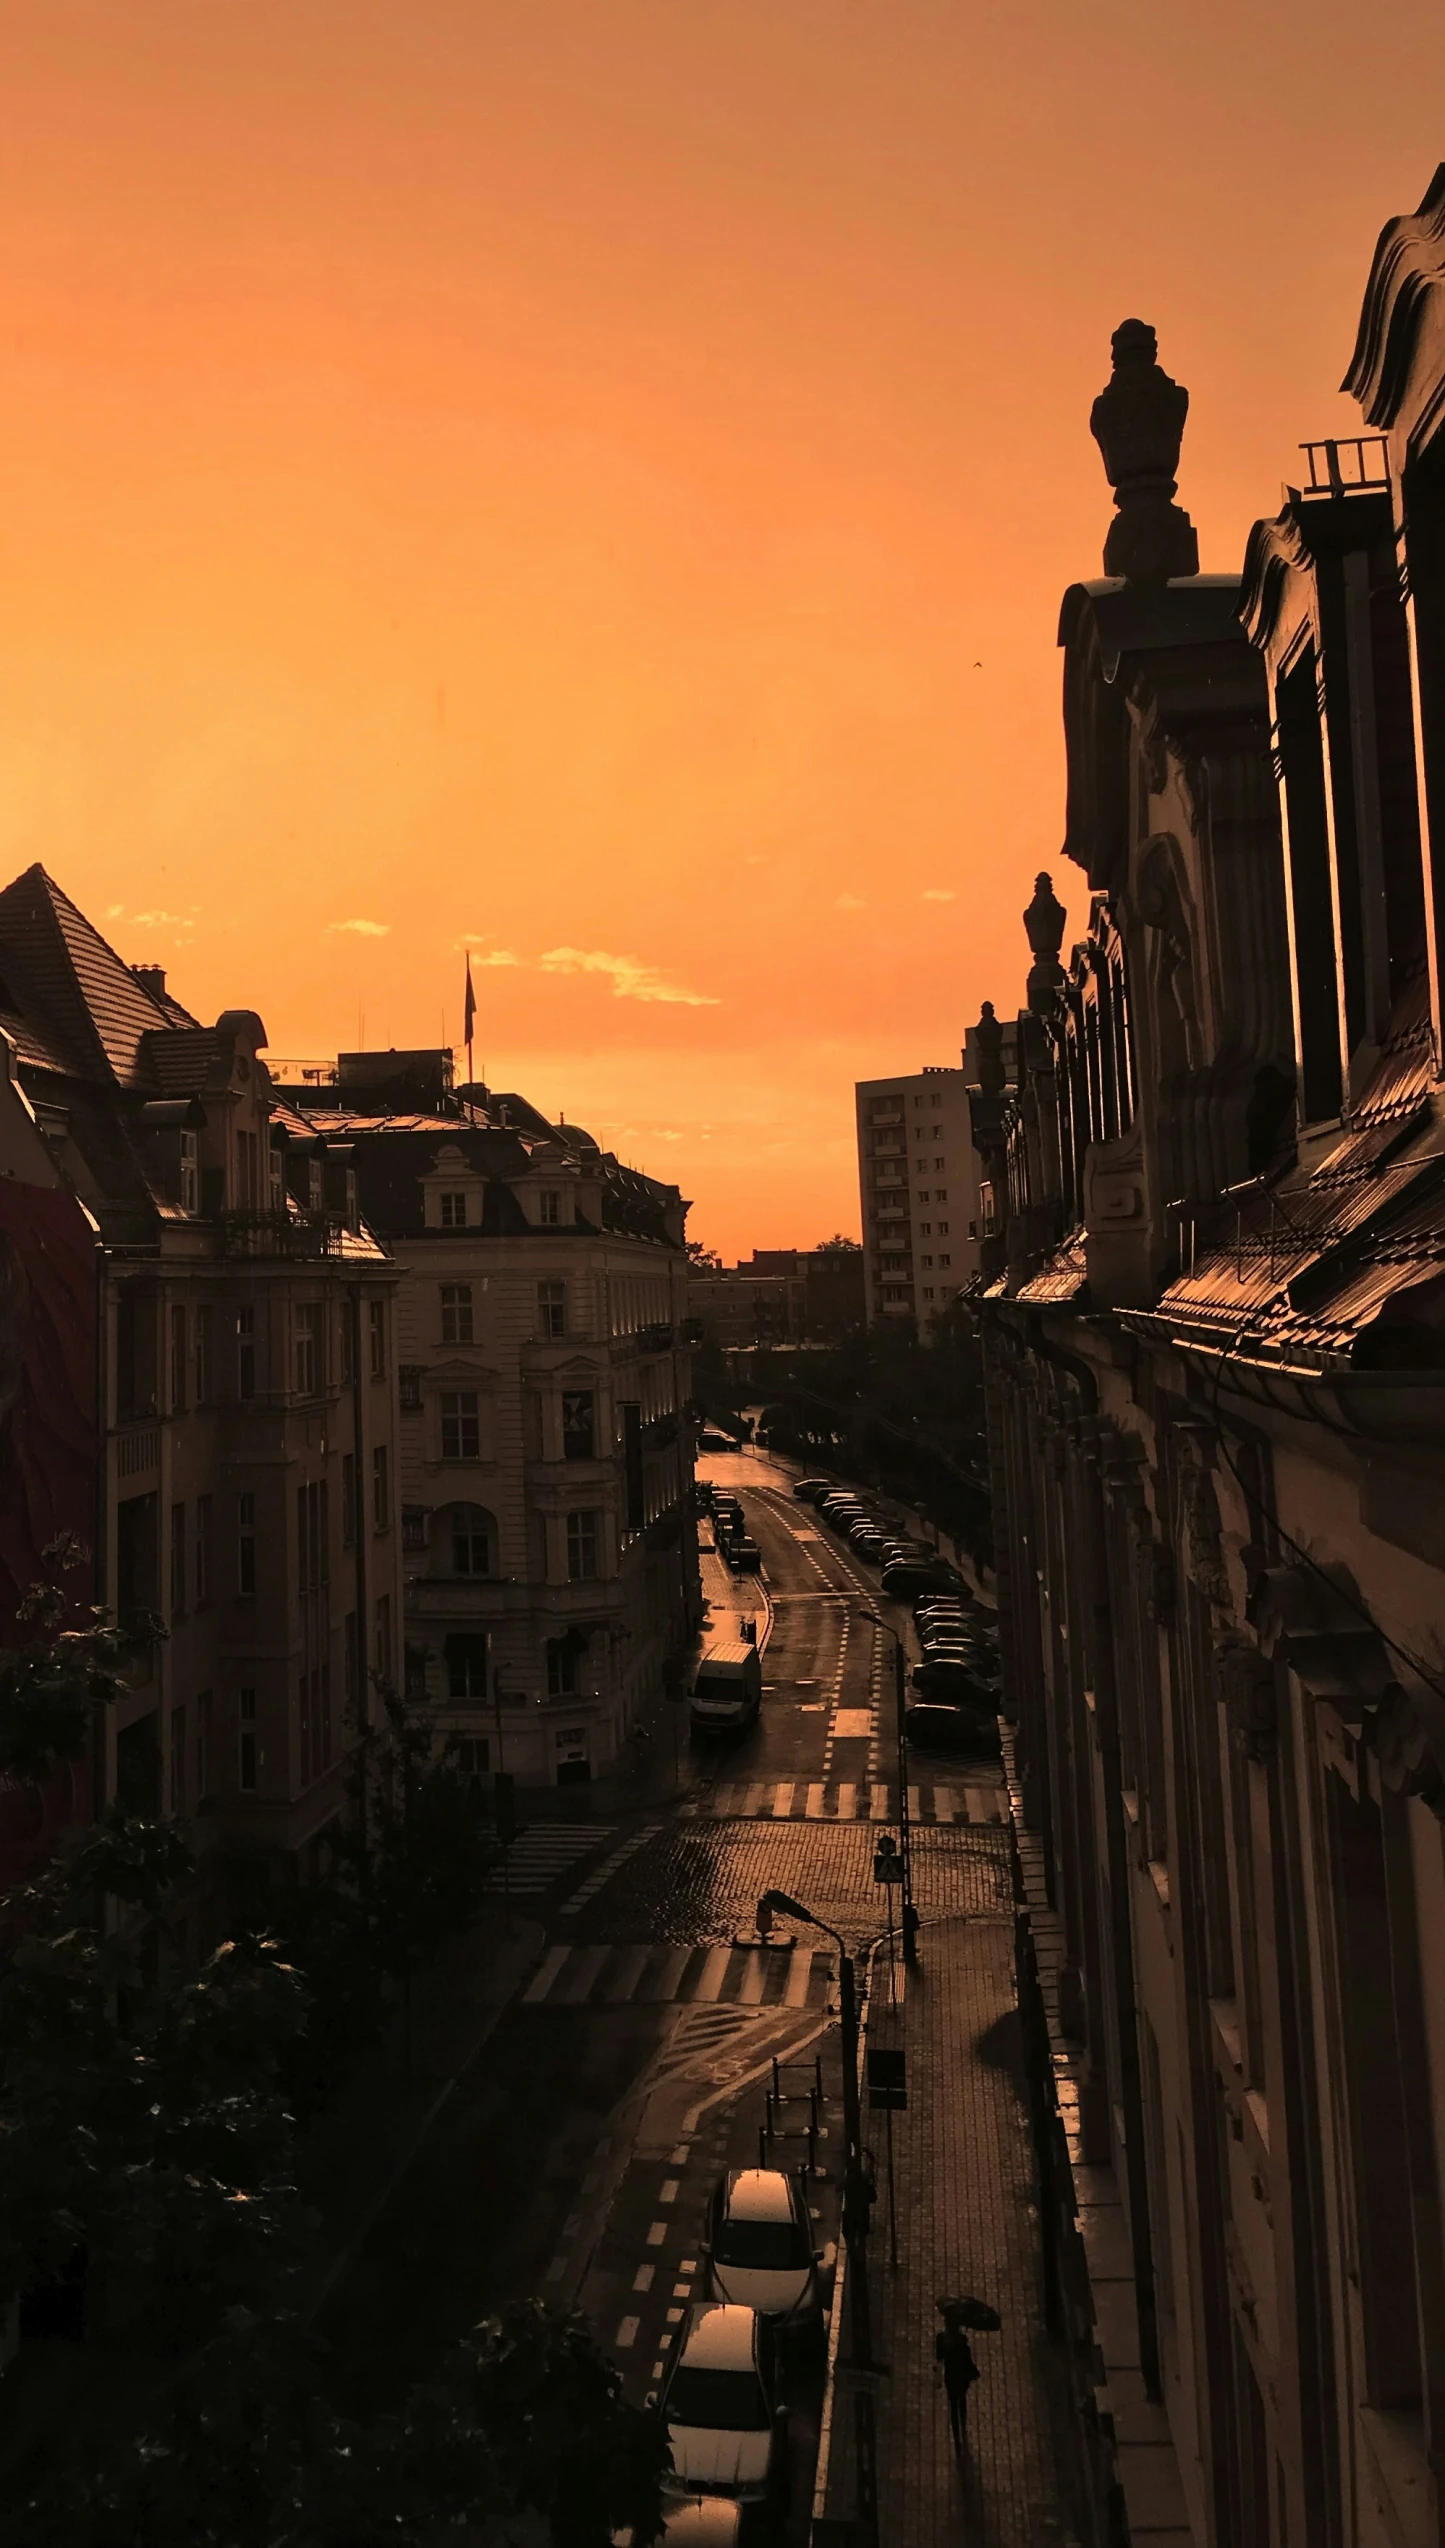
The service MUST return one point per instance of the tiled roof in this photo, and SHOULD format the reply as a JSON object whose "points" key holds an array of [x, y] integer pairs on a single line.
{"points": [[1061, 1278], [87, 998]]}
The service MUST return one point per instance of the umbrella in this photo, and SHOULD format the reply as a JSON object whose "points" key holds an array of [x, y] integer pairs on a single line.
{"points": [[972, 2313]]}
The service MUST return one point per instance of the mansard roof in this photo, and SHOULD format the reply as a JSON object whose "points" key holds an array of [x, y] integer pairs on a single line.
{"points": [[1397, 371], [91, 1005]]}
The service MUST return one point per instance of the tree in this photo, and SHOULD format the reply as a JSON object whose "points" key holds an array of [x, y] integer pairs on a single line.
{"points": [[55, 1678], [838, 1245], [703, 1260]]}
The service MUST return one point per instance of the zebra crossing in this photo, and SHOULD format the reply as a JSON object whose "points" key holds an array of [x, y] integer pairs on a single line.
{"points": [[823, 1801], [540, 1856], [611, 1976]]}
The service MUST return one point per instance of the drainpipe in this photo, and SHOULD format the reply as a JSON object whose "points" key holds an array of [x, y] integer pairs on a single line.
{"points": [[1106, 1721]]}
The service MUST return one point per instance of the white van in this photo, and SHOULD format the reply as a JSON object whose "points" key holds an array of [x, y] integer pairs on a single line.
{"points": [[728, 1690]]}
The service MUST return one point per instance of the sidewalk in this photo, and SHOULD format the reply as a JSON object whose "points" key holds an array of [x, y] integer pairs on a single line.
{"points": [[967, 2222]]}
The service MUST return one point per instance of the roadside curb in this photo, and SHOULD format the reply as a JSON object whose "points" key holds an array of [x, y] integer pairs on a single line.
{"points": [[840, 2284]]}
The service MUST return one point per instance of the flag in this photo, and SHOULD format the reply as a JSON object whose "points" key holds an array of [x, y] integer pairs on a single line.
{"points": [[471, 1003]]}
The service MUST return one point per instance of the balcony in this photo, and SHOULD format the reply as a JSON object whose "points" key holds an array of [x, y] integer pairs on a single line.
{"points": [[280, 1234], [657, 1338]]}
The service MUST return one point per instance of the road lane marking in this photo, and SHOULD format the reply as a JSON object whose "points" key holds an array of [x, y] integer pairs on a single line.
{"points": [[642, 2279], [847, 1804], [669, 2189], [710, 1979], [543, 1979], [627, 2333], [556, 2269], [682, 2154], [657, 2233], [799, 1977], [851, 1725]]}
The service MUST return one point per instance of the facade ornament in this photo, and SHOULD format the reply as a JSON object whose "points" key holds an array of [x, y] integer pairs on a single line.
{"points": [[988, 1037], [1138, 424], [1044, 923], [1251, 1704], [1204, 1539]]}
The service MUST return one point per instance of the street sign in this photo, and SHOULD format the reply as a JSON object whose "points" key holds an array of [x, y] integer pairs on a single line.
{"points": [[887, 1864], [887, 2076]]}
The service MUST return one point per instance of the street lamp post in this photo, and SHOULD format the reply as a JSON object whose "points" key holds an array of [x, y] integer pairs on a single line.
{"points": [[908, 1916], [857, 2191]]}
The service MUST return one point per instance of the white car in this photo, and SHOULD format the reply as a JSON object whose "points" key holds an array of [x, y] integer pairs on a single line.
{"points": [[702, 2521], [759, 2248], [728, 2433]]}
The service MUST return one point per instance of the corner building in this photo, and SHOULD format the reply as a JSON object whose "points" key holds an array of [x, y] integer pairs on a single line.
{"points": [[918, 1181], [1214, 1319], [546, 1446], [199, 1371]]}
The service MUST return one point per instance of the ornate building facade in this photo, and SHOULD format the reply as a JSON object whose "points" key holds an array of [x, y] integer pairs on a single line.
{"points": [[1214, 1317]]}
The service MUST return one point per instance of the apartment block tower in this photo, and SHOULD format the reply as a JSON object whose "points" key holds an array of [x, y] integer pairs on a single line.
{"points": [[918, 1177]]}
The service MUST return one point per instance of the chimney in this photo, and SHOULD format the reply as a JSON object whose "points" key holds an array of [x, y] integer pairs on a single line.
{"points": [[152, 978]]}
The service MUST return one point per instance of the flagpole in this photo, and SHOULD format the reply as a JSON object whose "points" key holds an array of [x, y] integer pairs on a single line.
{"points": [[470, 1016]]}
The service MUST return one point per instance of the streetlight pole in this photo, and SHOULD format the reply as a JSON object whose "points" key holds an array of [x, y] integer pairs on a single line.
{"points": [[908, 1916], [857, 2192]]}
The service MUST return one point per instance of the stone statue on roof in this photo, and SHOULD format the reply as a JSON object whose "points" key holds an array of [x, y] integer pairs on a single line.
{"points": [[1138, 424]]}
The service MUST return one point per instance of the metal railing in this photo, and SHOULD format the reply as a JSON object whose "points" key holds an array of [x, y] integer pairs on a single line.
{"points": [[1354, 466], [314, 1234]]}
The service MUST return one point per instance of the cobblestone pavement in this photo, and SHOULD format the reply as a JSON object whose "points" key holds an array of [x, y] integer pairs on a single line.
{"points": [[963, 2173], [688, 1884]]}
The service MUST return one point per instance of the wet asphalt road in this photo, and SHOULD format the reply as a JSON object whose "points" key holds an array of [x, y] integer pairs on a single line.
{"points": [[575, 2156]]}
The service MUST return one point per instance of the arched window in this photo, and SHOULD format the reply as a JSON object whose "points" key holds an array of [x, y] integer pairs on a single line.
{"points": [[466, 1543]]}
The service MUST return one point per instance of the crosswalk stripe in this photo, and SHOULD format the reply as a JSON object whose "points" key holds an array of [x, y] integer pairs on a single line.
{"points": [[710, 1979], [755, 1795], [878, 1804], [546, 1974], [631, 1965], [589, 1963], [943, 1804], [847, 1804], [915, 1808], [667, 1979], [982, 1805], [783, 1796], [823, 1802], [815, 1802], [799, 1976], [754, 1980]]}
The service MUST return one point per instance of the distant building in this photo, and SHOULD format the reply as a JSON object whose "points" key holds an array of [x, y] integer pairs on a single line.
{"points": [[780, 1296], [545, 1462], [200, 1378], [918, 1174]]}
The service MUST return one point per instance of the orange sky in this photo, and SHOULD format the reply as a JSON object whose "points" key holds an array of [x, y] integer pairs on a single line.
{"points": [[595, 478]]}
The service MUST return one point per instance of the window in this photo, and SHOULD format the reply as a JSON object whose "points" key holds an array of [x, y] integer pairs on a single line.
{"points": [[925, 1229], [245, 1546], [413, 1528], [203, 1741], [248, 1170], [938, 1163], [353, 1201], [928, 1291], [938, 1132], [461, 1425], [315, 1192], [351, 1658], [383, 1636], [561, 1667], [467, 1667], [203, 1551], [348, 1499], [414, 1672], [408, 1388], [190, 1173], [377, 1318], [380, 1489], [278, 1180], [942, 1195], [471, 1542], [203, 1354], [178, 1361], [581, 1548], [472, 1756], [579, 1424], [245, 1353], [945, 1260], [454, 1211], [928, 1265], [178, 1760], [308, 1349], [923, 1195], [348, 1343], [551, 1309], [943, 1229], [549, 1210], [456, 1314], [178, 1561], [313, 1556], [246, 1758]]}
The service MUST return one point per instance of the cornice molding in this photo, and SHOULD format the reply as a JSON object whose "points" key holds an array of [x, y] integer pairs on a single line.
{"points": [[1276, 549], [1408, 268]]}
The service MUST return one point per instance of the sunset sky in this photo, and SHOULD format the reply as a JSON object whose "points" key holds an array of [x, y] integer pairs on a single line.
{"points": [[592, 481]]}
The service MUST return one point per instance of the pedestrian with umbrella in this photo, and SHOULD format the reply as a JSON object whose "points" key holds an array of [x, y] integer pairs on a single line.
{"points": [[954, 2354]]}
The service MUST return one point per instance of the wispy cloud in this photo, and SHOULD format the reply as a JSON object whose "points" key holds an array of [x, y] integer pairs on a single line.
{"points": [[358, 929], [850, 902], [629, 977], [481, 954], [937, 893], [149, 919]]}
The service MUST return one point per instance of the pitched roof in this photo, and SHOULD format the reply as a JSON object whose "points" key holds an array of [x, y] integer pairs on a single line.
{"points": [[87, 998]]}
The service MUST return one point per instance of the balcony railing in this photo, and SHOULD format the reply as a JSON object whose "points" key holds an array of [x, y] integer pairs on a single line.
{"points": [[254, 1234], [1360, 464], [656, 1338]]}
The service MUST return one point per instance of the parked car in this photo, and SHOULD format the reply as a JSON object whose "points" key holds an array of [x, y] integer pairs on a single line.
{"points": [[759, 2248], [720, 2405], [747, 1557], [811, 1490], [904, 1578], [708, 1440], [947, 1679], [727, 1689], [933, 1727], [870, 1548]]}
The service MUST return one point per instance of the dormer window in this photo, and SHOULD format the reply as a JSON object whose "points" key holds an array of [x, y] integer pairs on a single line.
{"points": [[550, 1210], [314, 1192], [190, 1173], [454, 1211], [278, 1182]]}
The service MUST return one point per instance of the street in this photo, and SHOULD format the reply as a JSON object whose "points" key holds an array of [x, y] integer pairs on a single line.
{"points": [[575, 2158]]}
